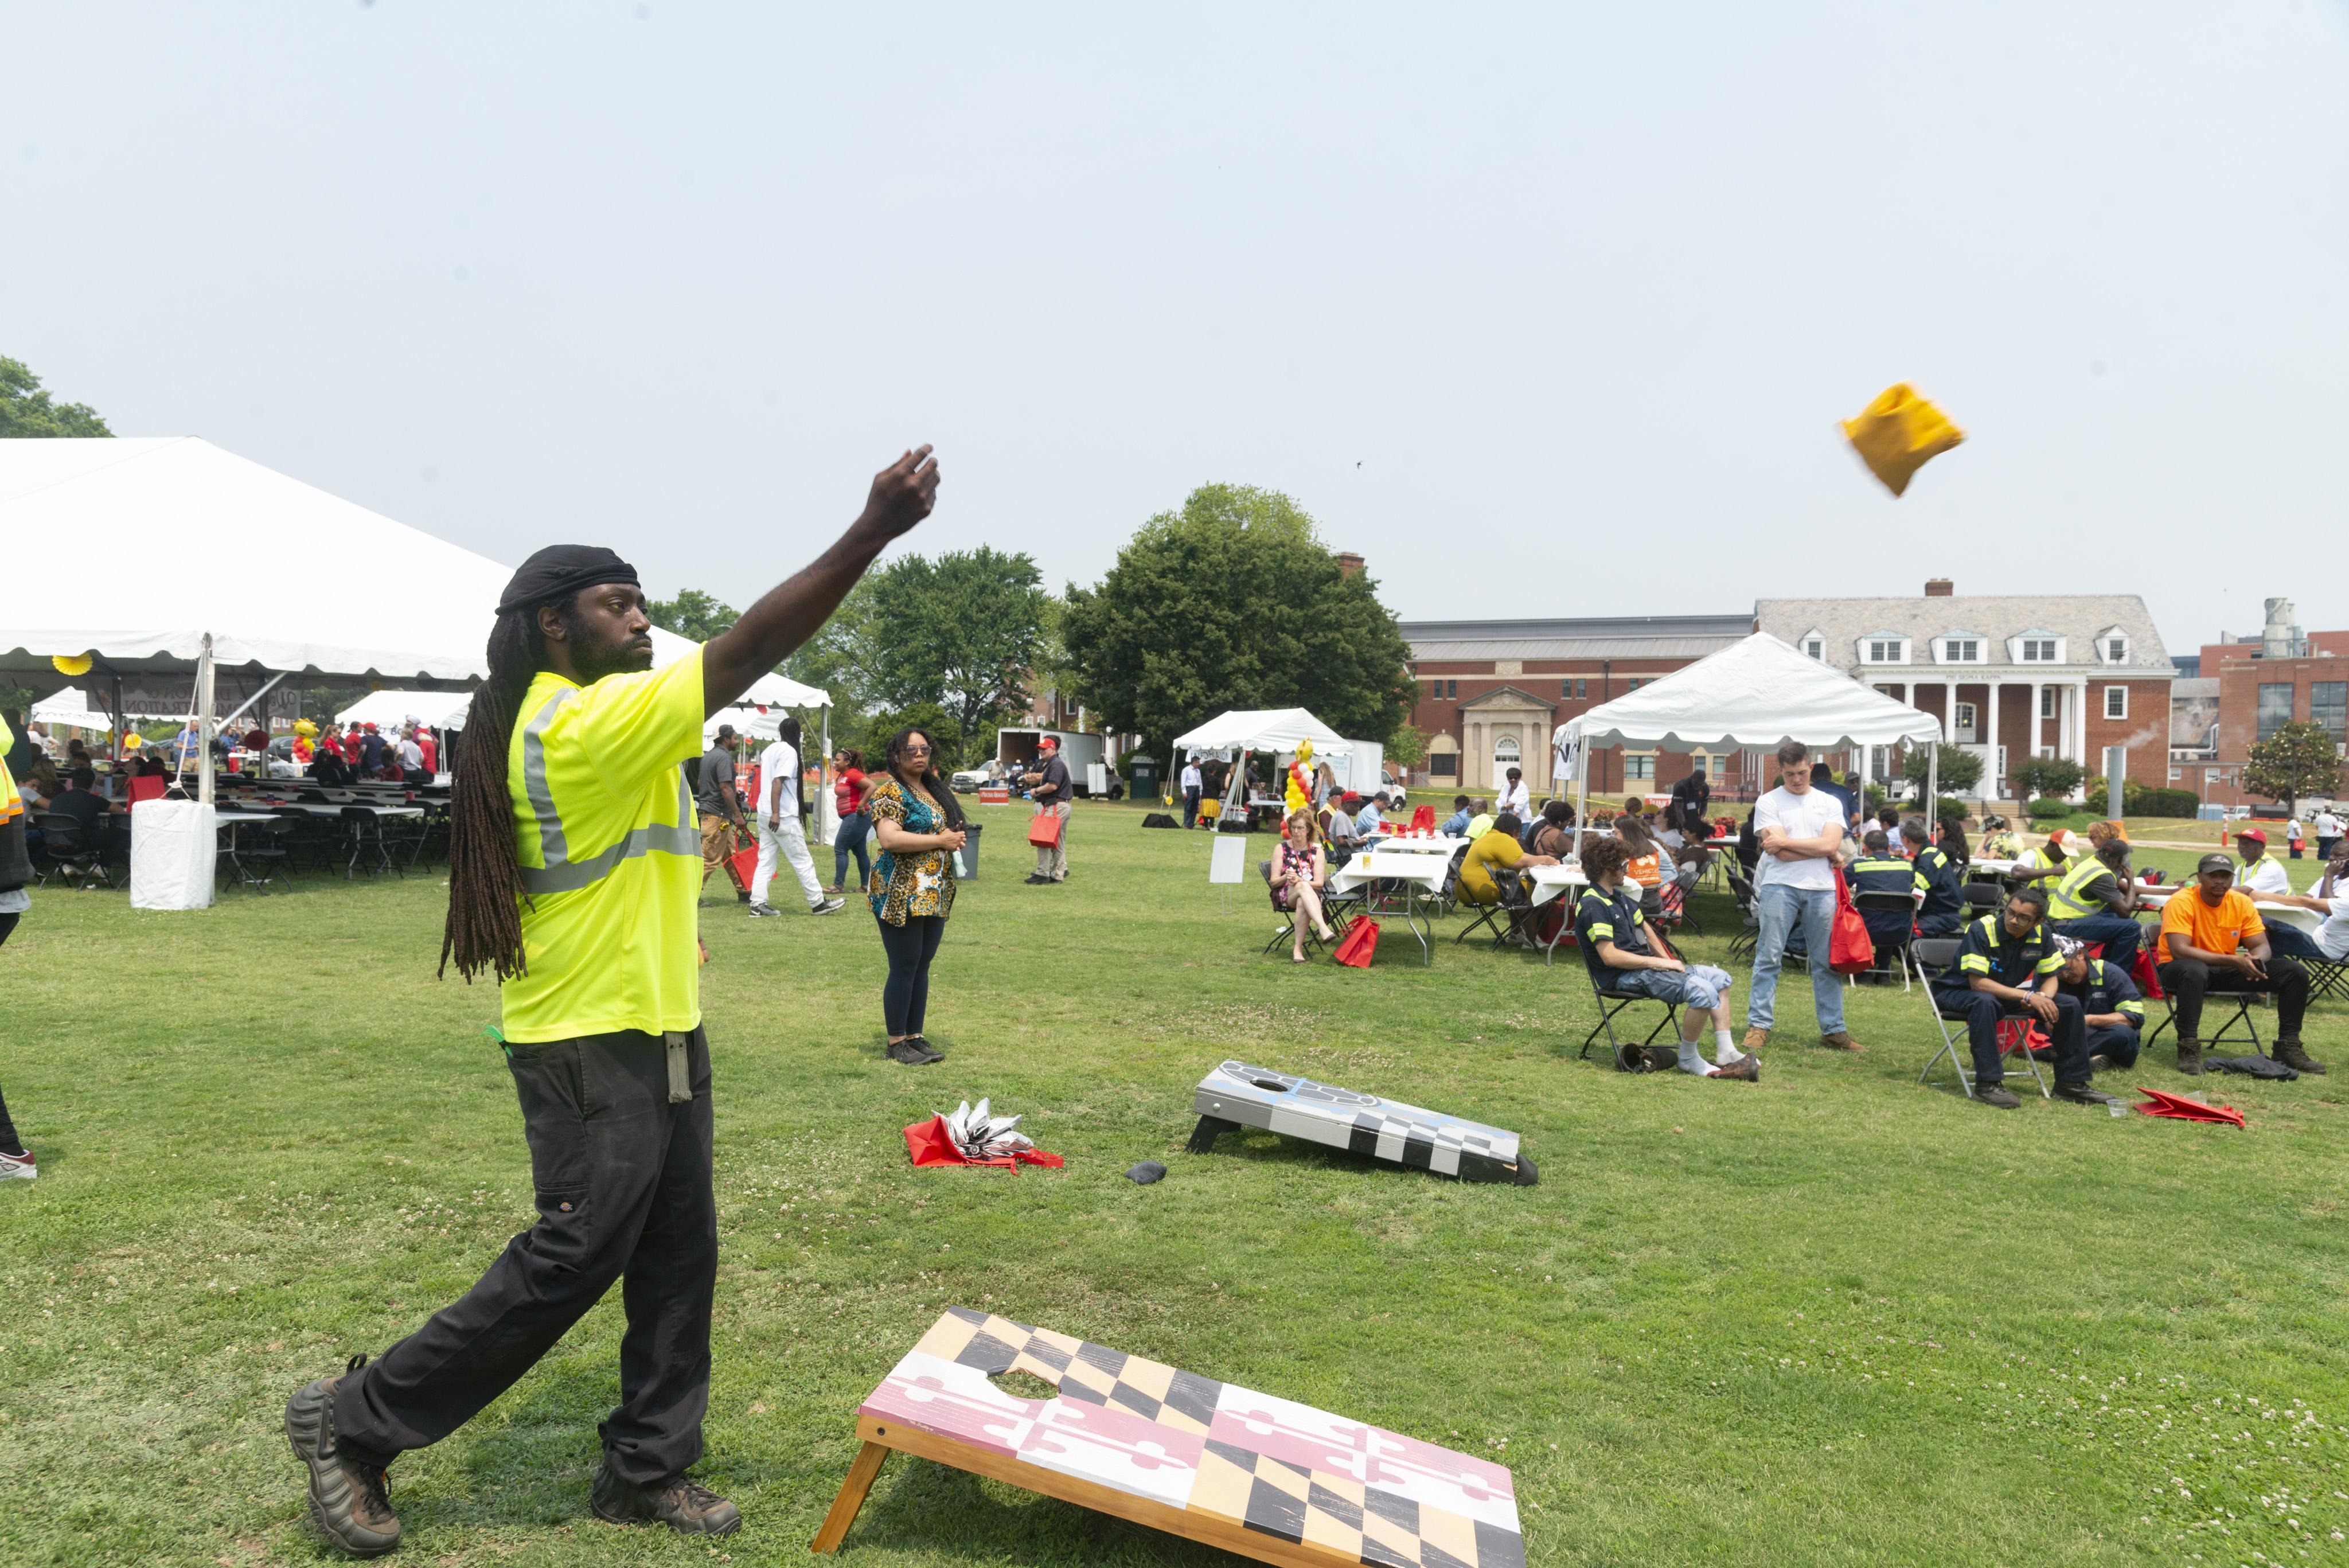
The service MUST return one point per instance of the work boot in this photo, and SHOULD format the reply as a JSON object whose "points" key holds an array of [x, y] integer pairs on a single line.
{"points": [[2288, 1053], [1754, 1040], [347, 1499], [912, 1052], [1745, 1070], [1839, 1041], [2190, 1057], [2084, 1093], [1996, 1094], [684, 1506]]}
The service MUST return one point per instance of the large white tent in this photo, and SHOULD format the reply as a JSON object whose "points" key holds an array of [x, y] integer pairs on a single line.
{"points": [[1261, 730], [1749, 696], [441, 710]]}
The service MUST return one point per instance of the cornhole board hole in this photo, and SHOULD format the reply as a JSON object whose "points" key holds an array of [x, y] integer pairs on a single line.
{"points": [[1237, 1095], [1211, 1462]]}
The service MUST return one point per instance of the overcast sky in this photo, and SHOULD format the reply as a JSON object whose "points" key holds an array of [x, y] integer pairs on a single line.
{"points": [[1547, 310]]}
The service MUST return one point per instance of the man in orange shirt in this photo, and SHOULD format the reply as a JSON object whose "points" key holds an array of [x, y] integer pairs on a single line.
{"points": [[2214, 938]]}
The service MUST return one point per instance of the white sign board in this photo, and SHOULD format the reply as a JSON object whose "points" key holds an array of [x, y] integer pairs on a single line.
{"points": [[1230, 861]]}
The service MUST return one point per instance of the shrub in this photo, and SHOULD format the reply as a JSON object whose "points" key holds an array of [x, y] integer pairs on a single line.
{"points": [[2048, 806], [1949, 808], [2137, 800], [2046, 776]]}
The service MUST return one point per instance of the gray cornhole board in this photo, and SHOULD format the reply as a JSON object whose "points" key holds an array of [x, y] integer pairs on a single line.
{"points": [[1238, 1095]]}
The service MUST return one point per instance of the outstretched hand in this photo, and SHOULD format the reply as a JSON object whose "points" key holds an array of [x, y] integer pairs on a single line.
{"points": [[902, 493]]}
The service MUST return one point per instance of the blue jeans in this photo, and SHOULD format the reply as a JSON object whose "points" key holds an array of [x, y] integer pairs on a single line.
{"points": [[1699, 986], [2122, 937], [849, 839], [1782, 911]]}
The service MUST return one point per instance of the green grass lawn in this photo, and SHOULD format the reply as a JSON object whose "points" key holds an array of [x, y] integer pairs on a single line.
{"points": [[1832, 1318]]}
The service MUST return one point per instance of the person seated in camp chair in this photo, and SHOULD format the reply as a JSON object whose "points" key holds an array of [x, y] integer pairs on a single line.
{"points": [[2008, 967], [1495, 851], [2052, 859], [2095, 900], [1878, 870], [1627, 957], [2262, 875], [1943, 906], [2212, 939], [2111, 1010], [1457, 823], [2329, 898], [1299, 876]]}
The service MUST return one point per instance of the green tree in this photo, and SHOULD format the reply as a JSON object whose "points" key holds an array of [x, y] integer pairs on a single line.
{"points": [[927, 717], [1407, 747], [1232, 602], [965, 632], [843, 660], [692, 614], [26, 411], [1961, 770], [2299, 759], [2036, 778]]}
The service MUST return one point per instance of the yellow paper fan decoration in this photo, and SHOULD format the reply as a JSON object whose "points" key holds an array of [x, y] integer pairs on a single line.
{"points": [[1898, 434], [72, 663]]}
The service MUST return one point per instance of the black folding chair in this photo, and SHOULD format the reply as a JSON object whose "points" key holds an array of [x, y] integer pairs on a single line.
{"points": [[1749, 935], [1331, 909], [1887, 901], [1677, 912], [404, 839], [1981, 898], [2326, 977], [1612, 1002], [2242, 1001], [259, 853], [1509, 916], [71, 850], [1934, 956]]}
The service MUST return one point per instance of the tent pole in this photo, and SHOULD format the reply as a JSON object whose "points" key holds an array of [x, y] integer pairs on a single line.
{"points": [[1581, 793], [204, 721]]}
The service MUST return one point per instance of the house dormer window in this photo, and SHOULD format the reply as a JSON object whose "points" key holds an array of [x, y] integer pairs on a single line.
{"points": [[1814, 644], [2037, 648], [2113, 646], [1884, 648], [1961, 648]]}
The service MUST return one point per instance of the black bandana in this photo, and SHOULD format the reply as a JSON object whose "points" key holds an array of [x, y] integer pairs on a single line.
{"points": [[560, 570]]}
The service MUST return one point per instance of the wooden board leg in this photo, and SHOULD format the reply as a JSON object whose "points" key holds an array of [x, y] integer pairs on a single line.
{"points": [[860, 1476]]}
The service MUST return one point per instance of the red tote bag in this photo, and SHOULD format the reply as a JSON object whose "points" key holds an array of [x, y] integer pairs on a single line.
{"points": [[1359, 943], [1044, 829], [1850, 950], [743, 866]]}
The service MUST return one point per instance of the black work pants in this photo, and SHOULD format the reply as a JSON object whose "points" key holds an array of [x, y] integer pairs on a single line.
{"points": [[1947, 925], [1981, 1012], [2117, 1043], [906, 995], [2120, 935], [1190, 808], [2188, 980], [622, 1179]]}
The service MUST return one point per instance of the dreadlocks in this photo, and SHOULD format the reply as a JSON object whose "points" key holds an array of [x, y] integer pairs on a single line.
{"points": [[484, 928]]}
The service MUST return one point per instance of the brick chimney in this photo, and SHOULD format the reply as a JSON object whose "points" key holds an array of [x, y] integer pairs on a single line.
{"points": [[1939, 589], [1349, 563]]}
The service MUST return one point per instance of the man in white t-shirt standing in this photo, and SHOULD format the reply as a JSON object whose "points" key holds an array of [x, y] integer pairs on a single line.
{"points": [[1800, 829], [779, 824]]}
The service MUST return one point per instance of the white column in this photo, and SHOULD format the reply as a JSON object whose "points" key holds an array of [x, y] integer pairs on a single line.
{"points": [[2031, 745], [1989, 766], [2080, 728]]}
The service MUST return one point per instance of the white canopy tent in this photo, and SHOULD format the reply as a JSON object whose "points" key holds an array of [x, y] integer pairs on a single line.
{"points": [[1750, 696], [200, 546], [1261, 730], [441, 710], [70, 707]]}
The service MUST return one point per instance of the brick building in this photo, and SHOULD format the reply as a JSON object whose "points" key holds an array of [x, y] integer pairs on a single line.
{"points": [[2248, 687], [1491, 691], [2009, 676]]}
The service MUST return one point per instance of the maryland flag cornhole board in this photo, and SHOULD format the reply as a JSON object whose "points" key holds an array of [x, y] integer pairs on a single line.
{"points": [[1899, 434], [1212, 1461], [1237, 1095]]}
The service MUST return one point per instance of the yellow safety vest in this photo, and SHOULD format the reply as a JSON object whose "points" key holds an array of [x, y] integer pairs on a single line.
{"points": [[611, 854], [2066, 902]]}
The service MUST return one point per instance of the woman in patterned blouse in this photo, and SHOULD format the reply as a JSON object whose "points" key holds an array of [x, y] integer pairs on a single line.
{"points": [[919, 826], [1299, 873]]}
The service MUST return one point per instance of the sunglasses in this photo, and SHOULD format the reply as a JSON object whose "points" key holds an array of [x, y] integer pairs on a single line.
{"points": [[917, 751]]}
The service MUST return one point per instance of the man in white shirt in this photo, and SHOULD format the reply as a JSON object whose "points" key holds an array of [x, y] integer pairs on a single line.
{"points": [[778, 825], [1193, 784], [1801, 831], [2331, 899], [2328, 833], [1516, 797], [2263, 875]]}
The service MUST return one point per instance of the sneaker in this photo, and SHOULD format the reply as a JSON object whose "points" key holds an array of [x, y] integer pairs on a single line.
{"points": [[937, 1048], [2287, 1051], [1996, 1094], [684, 1505], [912, 1052], [1037, 879], [348, 1500], [1839, 1041], [829, 907], [1754, 1040], [17, 1166], [2083, 1094], [763, 911], [1745, 1070], [2190, 1057]]}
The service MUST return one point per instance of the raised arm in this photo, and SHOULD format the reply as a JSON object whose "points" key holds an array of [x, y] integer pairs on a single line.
{"points": [[787, 616]]}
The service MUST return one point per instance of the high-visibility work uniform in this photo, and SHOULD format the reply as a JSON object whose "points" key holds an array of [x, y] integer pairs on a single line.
{"points": [[604, 1038], [2104, 990], [2077, 907], [1944, 903], [2022, 962], [1885, 874]]}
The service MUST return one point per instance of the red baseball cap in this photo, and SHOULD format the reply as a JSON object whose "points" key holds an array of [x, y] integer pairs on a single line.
{"points": [[1051, 741], [2252, 833]]}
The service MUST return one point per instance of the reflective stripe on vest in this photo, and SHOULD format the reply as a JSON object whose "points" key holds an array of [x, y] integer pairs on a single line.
{"points": [[561, 874], [2063, 904]]}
